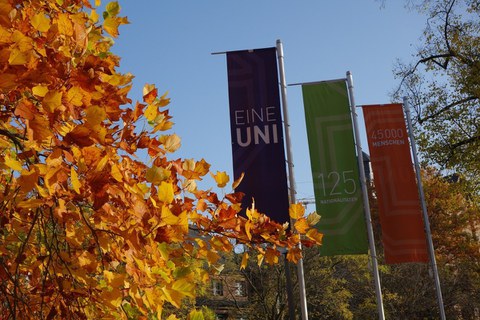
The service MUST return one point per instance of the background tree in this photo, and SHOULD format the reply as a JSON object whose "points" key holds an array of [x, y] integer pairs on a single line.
{"points": [[268, 292], [443, 84], [86, 229], [408, 289]]}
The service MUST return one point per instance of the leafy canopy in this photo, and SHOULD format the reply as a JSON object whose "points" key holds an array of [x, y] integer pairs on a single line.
{"points": [[86, 229]]}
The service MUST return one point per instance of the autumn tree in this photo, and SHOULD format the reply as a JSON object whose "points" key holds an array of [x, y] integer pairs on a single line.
{"points": [[87, 230], [408, 289], [443, 83]]}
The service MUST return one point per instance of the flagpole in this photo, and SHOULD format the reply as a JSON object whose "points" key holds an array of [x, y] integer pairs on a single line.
{"points": [[291, 176], [431, 250], [366, 205]]}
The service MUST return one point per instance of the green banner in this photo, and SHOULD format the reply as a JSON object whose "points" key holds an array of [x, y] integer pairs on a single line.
{"points": [[338, 193]]}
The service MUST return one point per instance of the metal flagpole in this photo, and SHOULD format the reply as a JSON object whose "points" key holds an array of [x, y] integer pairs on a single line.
{"points": [[431, 250], [291, 177], [366, 205]]}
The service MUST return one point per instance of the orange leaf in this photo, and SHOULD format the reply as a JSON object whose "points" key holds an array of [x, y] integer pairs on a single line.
{"points": [[238, 181], [301, 225], [25, 109], [149, 93], [8, 81], [271, 256], [313, 234]]}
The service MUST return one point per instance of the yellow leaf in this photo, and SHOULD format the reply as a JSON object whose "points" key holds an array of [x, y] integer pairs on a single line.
{"points": [[17, 57], [94, 16], [244, 260], [5, 35], [185, 286], [221, 178], [172, 296], [156, 174], [12, 163], [101, 164], [65, 25], [296, 210], [40, 22], [42, 191], [112, 8], [252, 213], [260, 258], [98, 3], [313, 218], [248, 228], [74, 179], [168, 217], [22, 42], [52, 100], [75, 96], [95, 115], [165, 192], [116, 173], [151, 112], [196, 315], [111, 24], [183, 221], [40, 91]]}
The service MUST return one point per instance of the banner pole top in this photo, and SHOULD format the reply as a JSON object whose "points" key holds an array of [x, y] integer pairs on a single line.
{"points": [[315, 82], [243, 50]]}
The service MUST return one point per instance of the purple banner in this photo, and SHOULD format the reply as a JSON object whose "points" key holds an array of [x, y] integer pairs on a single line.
{"points": [[256, 128]]}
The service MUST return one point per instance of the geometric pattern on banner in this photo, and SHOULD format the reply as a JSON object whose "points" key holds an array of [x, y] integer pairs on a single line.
{"points": [[257, 131], [338, 194], [403, 234]]}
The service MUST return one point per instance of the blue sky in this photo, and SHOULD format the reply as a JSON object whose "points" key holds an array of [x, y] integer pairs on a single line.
{"points": [[169, 43]]}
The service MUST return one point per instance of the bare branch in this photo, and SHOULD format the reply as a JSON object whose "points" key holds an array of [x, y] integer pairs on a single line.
{"points": [[446, 108]]}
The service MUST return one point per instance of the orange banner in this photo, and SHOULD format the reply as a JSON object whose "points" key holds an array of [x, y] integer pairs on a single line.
{"points": [[403, 233]]}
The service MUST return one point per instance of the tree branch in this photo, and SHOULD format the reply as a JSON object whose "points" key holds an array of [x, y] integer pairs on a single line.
{"points": [[14, 137], [464, 142], [446, 108]]}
